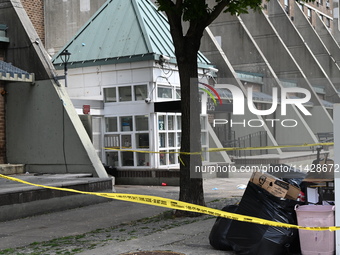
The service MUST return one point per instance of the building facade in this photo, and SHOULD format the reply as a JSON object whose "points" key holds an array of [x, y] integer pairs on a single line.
{"points": [[116, 80], [319, 9], [3, 45], [133, 80], [42, 129], [123, 88]]}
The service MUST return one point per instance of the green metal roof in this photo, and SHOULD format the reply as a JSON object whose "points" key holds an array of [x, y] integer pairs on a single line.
{"points": [[122, 31]]}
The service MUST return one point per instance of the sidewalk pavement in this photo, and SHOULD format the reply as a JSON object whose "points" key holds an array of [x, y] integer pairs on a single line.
{"points": [[188, 239]]}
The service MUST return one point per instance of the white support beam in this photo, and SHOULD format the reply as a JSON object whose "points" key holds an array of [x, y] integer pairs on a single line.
{"points": [[336, 117]]}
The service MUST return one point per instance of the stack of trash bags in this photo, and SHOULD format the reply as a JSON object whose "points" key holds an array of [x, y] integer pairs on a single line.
{"points": [[251, 238]]}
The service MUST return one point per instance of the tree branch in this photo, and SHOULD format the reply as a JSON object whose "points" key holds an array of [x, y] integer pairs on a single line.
{"points": [[179, 4], [218, 8], [174, 13], [198, 26]]}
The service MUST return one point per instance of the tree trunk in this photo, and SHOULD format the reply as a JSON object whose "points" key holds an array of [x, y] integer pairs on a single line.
{"points": [[191, 183], [186, 49]]}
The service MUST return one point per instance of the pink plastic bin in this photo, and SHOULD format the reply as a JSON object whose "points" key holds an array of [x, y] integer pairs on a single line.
{"points": [[316, 242]]}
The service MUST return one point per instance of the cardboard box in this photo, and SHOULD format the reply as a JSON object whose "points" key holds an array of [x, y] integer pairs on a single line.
{"points": [[275, 186]]}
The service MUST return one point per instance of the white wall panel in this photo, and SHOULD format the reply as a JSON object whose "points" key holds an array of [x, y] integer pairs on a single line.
{"points": [[141, 75], [109, 78], [124, 76], [92, 80]]}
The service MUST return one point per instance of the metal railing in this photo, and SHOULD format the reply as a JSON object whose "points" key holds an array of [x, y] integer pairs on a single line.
{"points": [[258, 139], [325, 137]]}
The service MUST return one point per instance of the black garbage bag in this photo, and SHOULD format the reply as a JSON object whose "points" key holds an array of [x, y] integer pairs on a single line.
{"points": [[111, 170], [288, 174], [218, 233], [249, 238]]}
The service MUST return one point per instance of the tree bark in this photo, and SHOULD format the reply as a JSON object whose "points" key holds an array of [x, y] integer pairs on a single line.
{"points": [[191, 183], [186, 49], [199, 16]]}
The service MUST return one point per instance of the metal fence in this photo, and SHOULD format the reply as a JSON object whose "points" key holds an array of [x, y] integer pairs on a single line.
{"points": [[325, 137], [258, 139]]}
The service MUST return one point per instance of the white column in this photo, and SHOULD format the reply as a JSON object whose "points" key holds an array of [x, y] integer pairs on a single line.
{"points": [[336, 117]]}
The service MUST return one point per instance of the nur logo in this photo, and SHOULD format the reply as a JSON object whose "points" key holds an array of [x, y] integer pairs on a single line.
{"points": [[210, 88], [238, 99]]}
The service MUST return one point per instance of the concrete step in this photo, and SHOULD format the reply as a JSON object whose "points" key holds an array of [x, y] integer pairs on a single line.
{"points": [[8, 169], [18, 200]]}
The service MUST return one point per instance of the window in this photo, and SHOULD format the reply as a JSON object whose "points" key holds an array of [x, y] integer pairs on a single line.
{"points": [[204, 138], [328, 22], [286, 3], [126, 141], [131, 133], [127, 158], [126, 123], [142, 140], [142, 123], [178, 94], [162, 158], [163, 92], [112, 158], [111, 141], [171, 139], [203, 122], [301, 6], [204, 155], [172, 157], [143, 159], [141, 92], [161, 122], [179, 122], [309, 14], [97, 134], [125, 94], [171, 122], [162, 140], [111, 124], [110, 95], [179, 139]]}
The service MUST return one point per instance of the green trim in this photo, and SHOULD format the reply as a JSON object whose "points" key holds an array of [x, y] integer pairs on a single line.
{"points": [[119, 60], [108, 61], [4, 39]]}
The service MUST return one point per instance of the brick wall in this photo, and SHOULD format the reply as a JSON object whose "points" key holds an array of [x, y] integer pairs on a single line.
{"points": [[2, 51], [2, 126], [35, 11], [2, 115]]}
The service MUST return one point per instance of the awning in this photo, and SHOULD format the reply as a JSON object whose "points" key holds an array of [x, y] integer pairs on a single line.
{"points": [[8, 72]]}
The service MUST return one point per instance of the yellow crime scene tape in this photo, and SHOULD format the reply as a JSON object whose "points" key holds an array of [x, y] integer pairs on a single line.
{"points": [[178, 205], [220, 149]]}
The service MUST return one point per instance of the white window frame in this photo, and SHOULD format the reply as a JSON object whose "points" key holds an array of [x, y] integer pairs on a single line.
{"points": [[120, 133], [133, 94]]}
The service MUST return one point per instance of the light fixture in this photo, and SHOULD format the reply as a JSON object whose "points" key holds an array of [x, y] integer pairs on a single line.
{"points": [[210, 72], [163, 59], [65, 57], [212, 69]]}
